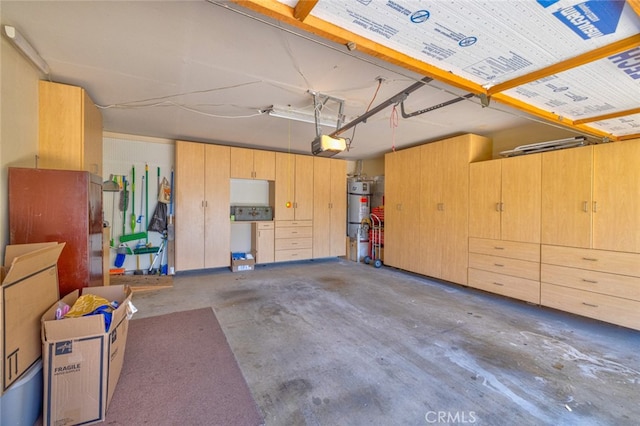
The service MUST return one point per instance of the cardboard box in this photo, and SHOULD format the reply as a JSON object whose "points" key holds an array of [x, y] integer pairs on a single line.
{"points": [[240, 263], [81, 360], [29, 287]]}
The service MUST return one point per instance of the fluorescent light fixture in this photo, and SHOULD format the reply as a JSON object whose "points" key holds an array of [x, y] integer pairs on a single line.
{"points": [[23, 46], [326, 146], [302, 115]]}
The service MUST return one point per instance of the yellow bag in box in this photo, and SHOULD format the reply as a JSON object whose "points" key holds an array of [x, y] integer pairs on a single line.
{"points": [[86, 304]]}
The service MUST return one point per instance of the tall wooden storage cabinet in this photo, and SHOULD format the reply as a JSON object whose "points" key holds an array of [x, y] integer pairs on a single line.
{"points": [[329, 207], [590, 220], [70, 129], [202, 191], [426, 206], [504, 226], [402, 208], [63, 206]]}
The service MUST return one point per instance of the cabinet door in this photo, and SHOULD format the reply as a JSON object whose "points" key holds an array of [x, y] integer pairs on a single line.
{"points": [[485, 187], [429, 218], [241, 166], [285, 186], [566, 197], [322, 207], [265, 245], [189, 206], [453, 234], [338, 211], [217, 227], [70, 129], [402, 188], [521, 183], [303, 187], [329, 207], [264, 165], [616, 204]]}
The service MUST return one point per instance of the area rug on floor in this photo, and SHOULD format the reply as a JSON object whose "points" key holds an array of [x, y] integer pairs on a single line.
{"points": [[180, 370]]}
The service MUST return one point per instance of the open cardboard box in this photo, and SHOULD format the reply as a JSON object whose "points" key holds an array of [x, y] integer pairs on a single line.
{"points": [[82, 360], [29, 287]]}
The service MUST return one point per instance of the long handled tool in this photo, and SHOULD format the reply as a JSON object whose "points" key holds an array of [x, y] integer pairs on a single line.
{"points": [[133, 199], [140, 216], [133, 236]]}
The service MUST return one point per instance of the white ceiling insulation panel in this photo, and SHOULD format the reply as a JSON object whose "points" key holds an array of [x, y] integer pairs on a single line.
{"points": [[606, 86], [628, 125], [487, 42]]}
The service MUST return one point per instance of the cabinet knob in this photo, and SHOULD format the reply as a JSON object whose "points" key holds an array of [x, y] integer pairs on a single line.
{"points": [[591, 305]]}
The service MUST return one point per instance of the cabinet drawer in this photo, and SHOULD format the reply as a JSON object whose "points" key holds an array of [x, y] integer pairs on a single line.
{"points": [[285, 255], [515, 287], [512, 249], [306, 232], [265, 225], [593, 305], [294, 243], [293, 223], [506, 266], [598, 282], [595, 260]]}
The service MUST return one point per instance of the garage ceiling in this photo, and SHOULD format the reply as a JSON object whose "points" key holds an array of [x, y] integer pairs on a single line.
{"points": [[211, 70]]}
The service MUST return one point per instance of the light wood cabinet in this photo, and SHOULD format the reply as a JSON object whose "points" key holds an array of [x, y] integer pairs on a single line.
{"points": [[293, 187], [508, 268], [252, 164], [70, 129], [202, 189], [426, 206], [599, 284], [591, 197], [263, 241], [616, 200], [293, 240], [505, 197], [329, 207], [566, 210], [444, 211], [402, 208]]}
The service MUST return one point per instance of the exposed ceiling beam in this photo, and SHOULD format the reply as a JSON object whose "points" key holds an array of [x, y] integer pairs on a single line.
{"points": [[585, 58], [635, 5], [608, 116], [326, 30], [303, 9], [329, 31], [549, 116]]}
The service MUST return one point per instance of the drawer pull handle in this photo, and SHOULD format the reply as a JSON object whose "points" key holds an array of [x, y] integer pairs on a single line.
{"points": [[499, 284], [499, 265], [590, 281], [589, 304], [499, 248], [590, 259]]}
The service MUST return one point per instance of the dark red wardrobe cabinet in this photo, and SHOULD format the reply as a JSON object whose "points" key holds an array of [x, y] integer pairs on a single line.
{"points": [[63, 206]]}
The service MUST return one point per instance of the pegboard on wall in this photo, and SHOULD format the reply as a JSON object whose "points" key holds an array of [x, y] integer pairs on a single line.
{"points": [[121, 153]]}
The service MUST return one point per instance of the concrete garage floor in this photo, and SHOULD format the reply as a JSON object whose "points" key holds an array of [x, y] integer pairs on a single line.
{"points": [[335, 343]]}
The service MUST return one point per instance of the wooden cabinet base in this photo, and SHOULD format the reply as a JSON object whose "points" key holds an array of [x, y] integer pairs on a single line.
{"points": [[611, 309]]}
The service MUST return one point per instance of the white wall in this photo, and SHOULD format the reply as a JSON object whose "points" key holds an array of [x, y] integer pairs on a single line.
{"points": [[120, 154]]}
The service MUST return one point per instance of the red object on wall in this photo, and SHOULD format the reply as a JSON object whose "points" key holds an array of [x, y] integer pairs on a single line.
{"points": [[64, 206]]}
